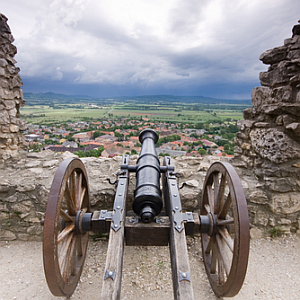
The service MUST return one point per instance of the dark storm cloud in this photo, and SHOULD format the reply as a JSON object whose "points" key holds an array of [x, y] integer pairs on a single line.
{"points": [[114, 47]]}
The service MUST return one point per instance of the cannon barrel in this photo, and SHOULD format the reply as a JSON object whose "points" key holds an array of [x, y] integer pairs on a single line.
{"points": [[147, 201]]}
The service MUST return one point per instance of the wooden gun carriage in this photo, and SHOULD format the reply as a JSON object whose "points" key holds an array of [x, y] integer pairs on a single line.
{"points": [[223, 224]]}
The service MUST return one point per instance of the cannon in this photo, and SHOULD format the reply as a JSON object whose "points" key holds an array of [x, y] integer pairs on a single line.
{"points": [[157, 219]]}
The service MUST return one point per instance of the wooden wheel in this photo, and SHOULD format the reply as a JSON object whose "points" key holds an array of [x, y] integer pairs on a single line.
{"points": [[64, 246], [225, 244]]}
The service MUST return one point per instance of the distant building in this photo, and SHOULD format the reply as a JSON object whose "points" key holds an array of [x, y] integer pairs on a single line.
{"points": [[34, 137], [171, 152]]}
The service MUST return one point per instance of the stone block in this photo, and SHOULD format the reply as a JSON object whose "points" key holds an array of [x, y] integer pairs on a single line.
{"points": [[10, 104], [276, 77], [285, 203], [4, 117], [256, 233], [293, 54], [2, 71], [20, 208], [294, 127], [274, 56], [260, 95], [51, 163], [6, 235], [4, 186], [258, 197], [3, 62], [274, 145], [13, 128], [5, 129], [279, 185]]}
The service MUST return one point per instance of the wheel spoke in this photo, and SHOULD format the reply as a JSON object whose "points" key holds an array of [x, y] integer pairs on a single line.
{"points": [[216, 188], [78, 190], [79, 245], [225, 208], [207, 207], [210, 195], [227, 238], [64, 250], [214, 256], [81, 197], [65, 216], [223, 251], [225, 222], [219, 194], [69, 259], [65, 233], [209, 245], [69, 201], [73, 187], [221, 272]]}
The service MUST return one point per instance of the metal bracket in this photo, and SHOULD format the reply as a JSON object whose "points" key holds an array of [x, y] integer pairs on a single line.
{"points": [[188, 217], [110, 274], [176, 203], [184, 276], [120, 196], [105, 215]]}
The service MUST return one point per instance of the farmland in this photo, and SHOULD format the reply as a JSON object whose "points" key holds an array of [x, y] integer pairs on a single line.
{"points": [[44, 114]]}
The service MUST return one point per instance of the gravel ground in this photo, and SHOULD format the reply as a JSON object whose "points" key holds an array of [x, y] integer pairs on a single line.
{"points": [[273, 271]]}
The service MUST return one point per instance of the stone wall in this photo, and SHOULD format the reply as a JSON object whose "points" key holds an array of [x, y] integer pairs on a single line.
{"points": [[11, 97], [25, 185], [268, 144]]}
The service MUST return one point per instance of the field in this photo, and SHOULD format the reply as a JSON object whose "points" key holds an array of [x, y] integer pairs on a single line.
{"points": [[188, 113], [44, 114]]}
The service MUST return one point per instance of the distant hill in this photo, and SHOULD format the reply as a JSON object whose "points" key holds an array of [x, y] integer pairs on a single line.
{"points": [[52, 98]]}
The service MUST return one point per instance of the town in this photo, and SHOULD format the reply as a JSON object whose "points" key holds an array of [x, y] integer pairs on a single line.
{"points": [[117, 136]]}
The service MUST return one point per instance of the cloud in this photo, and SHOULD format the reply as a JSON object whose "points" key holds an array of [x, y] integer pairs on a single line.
{"points": [[147, 45]]}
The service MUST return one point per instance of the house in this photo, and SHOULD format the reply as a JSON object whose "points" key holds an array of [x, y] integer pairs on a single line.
{"points": [[34, 137], [208, 143], [105, 138], [83, 135]]}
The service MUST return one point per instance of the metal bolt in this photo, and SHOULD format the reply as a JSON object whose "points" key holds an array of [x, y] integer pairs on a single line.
{"points": [[110, 273], [118, 207], [176, 207], [173, 184], [184, 275], [175, 195], [120, 194], [122, 183], [116, 225], [178, 226]]}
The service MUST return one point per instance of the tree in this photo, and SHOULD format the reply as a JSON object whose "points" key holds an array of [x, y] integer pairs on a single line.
{"points": [[133, 151], [226, 147], [96, 134], [202, 151]]}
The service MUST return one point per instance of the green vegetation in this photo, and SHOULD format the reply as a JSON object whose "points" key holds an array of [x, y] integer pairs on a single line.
{"points": [[89, 153], [276, 231]]}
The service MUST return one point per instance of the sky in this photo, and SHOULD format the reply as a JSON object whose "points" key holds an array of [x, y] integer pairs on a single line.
{"points": [[110, 48]]}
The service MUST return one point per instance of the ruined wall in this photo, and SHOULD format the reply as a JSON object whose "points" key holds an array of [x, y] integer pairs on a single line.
{"points": [[268, 144], [11, 97], [25, 184]]}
